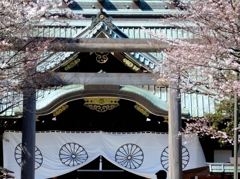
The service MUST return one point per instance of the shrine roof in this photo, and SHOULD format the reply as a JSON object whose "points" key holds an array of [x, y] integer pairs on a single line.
{"points": [[112, 28], [195, 105], [48, 102], [137, 8]]}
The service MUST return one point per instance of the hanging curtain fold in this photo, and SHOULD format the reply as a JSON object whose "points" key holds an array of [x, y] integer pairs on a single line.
{"points": [[60, 152]]}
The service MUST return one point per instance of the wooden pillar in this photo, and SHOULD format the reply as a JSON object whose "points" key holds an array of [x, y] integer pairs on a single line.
{"points": [[28, 127], [175, 124], [28, 134], [236, 132]]}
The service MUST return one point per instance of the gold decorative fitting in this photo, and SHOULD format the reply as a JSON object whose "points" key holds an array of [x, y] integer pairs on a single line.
{"points": [[141, 110], [72, 64], [165, 118], [101, 104], [102, 57], [59, 110], [130, 64], [101, 16], [101, 35]]}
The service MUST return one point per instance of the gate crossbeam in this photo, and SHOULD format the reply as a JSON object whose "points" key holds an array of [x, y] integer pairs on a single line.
{"points": [[104, 79], [94, 44]]}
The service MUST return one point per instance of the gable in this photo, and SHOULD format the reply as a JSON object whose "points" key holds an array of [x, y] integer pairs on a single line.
{"points": [[107, 62], [101, 27]]}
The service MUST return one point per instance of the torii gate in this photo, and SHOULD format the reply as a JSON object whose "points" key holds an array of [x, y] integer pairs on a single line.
{"points": [[88, 45]]}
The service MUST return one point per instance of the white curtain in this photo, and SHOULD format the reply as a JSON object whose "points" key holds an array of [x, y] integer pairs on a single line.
{"points": [[59, 152]]}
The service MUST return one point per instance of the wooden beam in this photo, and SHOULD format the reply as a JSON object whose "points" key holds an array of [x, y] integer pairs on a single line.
{"points": [[94, 44], [104, 79]]}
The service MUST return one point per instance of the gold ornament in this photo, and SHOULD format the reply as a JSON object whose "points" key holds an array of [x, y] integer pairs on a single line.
{"points": [[141, 110], [165, 118], [59, 110], [130, 64], [102, 57], [101, 104], [101, 16], [72, 64]]}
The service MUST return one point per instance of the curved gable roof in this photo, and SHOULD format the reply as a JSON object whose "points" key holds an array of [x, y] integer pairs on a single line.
{"points": [[102, 23], [50, 102]]}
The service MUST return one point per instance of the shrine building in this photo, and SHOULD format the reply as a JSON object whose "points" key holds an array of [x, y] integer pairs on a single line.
{"points": [[99, 128]]}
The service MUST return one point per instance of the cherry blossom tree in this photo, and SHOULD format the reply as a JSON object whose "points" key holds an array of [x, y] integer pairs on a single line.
{"points": [[218, 125], [205, 56], [18, 21], [19, 75]]}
